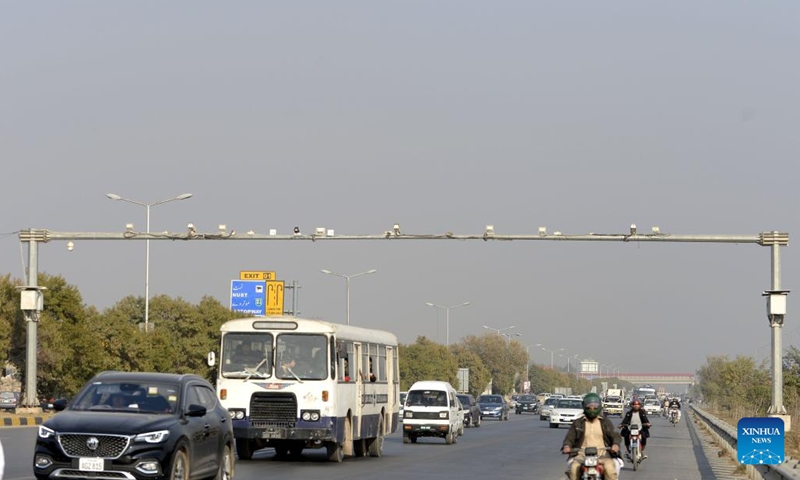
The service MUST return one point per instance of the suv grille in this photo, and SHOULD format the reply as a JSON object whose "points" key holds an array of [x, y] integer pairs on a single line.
{"points": [[108, 446], [273, 410]]}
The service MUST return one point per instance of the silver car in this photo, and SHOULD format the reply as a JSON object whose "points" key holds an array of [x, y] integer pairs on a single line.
{"points": [[549, 404]]}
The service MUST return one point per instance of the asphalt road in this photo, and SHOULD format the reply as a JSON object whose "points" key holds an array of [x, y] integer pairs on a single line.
{"points": [[523, 447]]}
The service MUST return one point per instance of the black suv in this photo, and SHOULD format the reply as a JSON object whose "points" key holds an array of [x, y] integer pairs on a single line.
{"points": [[527, 404], [472, 412], [137, 426]]}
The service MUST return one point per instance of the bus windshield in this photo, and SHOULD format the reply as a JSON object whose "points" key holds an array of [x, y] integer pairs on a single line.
{"points": [[302, 357], [246, 355]]}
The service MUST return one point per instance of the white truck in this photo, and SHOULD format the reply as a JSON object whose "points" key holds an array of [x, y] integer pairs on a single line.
{"points": [[614, 402]]}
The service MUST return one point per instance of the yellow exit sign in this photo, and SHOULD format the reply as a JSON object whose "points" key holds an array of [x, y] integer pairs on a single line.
{"points": [[256, 275]]}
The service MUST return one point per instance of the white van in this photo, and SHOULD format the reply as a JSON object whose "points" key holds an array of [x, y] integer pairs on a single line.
{"points": [[432, 410]]}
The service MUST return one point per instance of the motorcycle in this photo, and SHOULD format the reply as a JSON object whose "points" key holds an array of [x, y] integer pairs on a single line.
{"points": [[673, 416], [592, 468], [636, 448]]}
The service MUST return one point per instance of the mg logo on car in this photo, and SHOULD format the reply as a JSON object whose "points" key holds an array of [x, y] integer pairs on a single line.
{"points": [[92, 443]]}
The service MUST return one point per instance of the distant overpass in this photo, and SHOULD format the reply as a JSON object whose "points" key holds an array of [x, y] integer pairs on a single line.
{"points": [[647, 378]]}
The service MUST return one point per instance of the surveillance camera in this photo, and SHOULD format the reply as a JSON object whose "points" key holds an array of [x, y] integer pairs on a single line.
{"points": [[70, 246], [297, 230]]}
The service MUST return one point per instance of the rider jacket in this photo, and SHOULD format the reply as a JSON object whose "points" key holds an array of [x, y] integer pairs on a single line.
{"points": [[577, 431], [627, 421]]}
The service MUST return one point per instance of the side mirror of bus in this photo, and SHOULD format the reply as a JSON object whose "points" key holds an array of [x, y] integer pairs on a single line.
{"points": [[212, 359]]}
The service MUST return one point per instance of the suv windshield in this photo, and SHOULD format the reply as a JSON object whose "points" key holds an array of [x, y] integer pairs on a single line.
{"points": [[132, 397]]}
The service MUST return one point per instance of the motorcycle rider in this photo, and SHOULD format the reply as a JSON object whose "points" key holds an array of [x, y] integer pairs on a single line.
{"points": [[666, 407], [635, 416], [592, 430], [675, 404]]}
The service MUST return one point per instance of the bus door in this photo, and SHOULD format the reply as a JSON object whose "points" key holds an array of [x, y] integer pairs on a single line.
{"points": [[390, 382], [358, 369]]}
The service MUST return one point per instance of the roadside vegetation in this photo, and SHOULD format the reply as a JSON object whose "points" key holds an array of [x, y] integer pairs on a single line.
{"points": [[75, 341], [734, 388]]}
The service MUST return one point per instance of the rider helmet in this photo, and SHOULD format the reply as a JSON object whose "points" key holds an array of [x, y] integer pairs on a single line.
{"points": [[636, 402], [592, 406]]}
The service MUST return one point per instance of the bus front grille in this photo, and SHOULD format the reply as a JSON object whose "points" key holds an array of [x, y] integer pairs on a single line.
{"points": [[273, 409]]}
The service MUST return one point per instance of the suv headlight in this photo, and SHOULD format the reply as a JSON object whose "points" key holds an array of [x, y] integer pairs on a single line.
{"points": [[45, 432], [152, 437]]}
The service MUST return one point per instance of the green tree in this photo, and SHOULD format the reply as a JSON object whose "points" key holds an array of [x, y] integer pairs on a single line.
{"points": [[479, 375], [426, 360], [504, 359], [11, 322], [734, 384]]}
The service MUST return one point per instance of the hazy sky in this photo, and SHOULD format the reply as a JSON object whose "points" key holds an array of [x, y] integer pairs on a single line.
{"points": [[437, 115]]}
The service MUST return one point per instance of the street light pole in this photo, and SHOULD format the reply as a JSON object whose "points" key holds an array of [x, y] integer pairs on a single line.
{"points": [[498, 330], [347, 285], [147, 206], [447, 309], [551, 353]]}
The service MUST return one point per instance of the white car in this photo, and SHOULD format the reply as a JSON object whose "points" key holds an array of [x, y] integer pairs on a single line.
{"points": [[652, 407], [566, 411]]}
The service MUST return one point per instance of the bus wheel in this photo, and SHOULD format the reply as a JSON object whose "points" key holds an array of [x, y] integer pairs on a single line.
{"points": [[335, 453], [376, 444], [244, 448]]}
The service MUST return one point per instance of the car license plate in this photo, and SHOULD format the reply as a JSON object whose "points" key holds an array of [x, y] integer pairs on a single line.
{"points": [[90, 464], [424, 427]]}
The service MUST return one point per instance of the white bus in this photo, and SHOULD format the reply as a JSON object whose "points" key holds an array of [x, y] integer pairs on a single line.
{"points": [[645, 392], [292, 383]]}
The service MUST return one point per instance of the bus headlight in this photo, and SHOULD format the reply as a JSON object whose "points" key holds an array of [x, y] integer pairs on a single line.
{"points": [[236, 413], [310, 415]]}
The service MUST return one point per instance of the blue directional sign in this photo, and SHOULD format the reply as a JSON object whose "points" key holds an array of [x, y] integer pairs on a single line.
{"points": [[249, 296]]}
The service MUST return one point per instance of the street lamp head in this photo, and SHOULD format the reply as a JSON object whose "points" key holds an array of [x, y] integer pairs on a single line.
{"points": [[429, 304], [327, 272], [370, 271], [183, 196], [113, 196]]}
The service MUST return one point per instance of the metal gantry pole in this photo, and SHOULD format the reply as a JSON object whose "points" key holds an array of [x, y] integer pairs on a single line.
{"points": [[147, 275], [31, 323], [776, 326]]}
